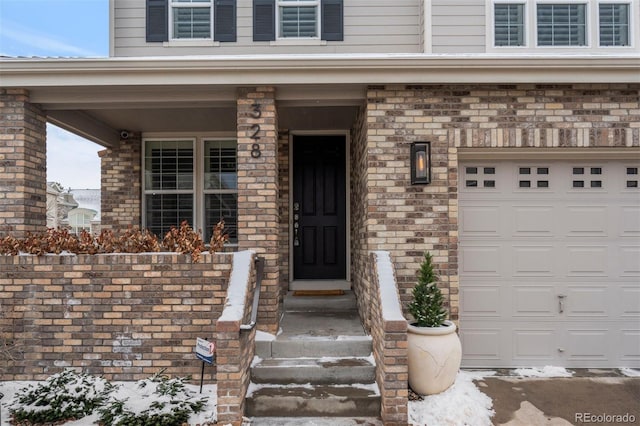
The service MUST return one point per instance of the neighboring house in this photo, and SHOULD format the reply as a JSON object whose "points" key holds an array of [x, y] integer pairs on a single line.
{"points": [[294, 122], [87, 215], [59, 203]]}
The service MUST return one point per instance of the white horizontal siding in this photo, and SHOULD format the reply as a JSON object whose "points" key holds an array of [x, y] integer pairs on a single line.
{"points": [[458, 26], [371, 26]]}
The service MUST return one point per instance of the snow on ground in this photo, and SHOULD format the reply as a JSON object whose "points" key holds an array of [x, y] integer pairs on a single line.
{"points": [[546, 371], [127, 390], [630, 372], [461, 404]]}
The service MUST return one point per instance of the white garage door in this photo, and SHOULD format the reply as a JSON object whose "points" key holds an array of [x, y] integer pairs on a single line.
{"points": [[550, 263]]}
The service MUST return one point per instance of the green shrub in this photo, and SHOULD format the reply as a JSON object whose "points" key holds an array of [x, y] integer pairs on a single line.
{"points": [[65, 396], [427, 305], [163, 402]]}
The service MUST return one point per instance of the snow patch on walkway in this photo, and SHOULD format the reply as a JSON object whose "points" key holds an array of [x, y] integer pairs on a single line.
{"points": [[546, 371]]}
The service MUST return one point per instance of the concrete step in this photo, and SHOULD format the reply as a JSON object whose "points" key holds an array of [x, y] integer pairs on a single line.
{"points": [[345, 346], [314, 370], [345, 302], [313, 401]]}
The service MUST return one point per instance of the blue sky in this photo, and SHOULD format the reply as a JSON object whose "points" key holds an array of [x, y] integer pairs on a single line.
{"points": [[67, 28]]}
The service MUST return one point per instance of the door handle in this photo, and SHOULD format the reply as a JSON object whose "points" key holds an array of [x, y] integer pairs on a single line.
{"points": [[561, 298]]}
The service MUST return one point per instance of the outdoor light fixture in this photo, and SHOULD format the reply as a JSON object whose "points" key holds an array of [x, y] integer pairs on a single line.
{"points": [[420, 163]]}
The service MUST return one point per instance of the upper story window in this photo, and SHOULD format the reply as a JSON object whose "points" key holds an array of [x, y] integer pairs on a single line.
{"points": [[614, 24], [191, 19], [509, 24], [199, 21], [562, 24], [572, 24], [313, 20], [298, 18]]}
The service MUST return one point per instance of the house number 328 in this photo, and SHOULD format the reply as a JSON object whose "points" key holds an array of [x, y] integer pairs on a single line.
{"points": [[255, 129]]}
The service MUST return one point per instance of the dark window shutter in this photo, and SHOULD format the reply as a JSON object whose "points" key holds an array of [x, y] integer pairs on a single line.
{"points": [[332, 20], [264, 20], [224, 26], [157, 20]]}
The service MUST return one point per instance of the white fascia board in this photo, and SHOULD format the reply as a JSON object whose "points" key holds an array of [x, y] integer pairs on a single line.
{"points": [[319, 69]]}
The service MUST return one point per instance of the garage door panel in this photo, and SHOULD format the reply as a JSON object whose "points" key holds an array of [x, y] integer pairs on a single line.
{"points": [[535, 300], [533, 221], [630, 221], [533, 261], [629, 344], [587, 301], [587, 221], [482, 300], [629, 302], [585, 261], [629, 259], [482, 346], [586, 345], [483, 260], [533, 346], [481, 221]]}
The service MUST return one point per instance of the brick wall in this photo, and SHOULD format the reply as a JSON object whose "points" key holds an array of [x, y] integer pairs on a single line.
{"points": [[407, 220], [258, 216], [124, 316], [23, 168], [121, 185]]}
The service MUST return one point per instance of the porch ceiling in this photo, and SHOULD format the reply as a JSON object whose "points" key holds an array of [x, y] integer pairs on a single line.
{"points": [[99, 114]]}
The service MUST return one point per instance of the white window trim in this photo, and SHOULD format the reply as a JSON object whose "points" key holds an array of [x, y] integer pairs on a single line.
{"points": [[189, 41], [197, 190], [285, 40], [491, 38], [592, 30], [632, 23], [194, 185], [588, 23]]}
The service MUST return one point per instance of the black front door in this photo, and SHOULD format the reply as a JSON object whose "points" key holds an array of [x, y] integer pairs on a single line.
{"points": [[319, 208]]}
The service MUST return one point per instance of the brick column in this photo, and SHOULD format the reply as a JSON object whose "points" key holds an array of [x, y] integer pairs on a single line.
{"points": [[258, 216], [121, 181], [23, 164]]}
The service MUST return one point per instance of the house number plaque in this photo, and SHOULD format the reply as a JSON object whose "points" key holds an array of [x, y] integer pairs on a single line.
{"points": [[256, 112]]}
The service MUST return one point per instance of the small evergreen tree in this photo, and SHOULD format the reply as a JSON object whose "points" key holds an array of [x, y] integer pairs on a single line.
{"points": [[427, 304]]}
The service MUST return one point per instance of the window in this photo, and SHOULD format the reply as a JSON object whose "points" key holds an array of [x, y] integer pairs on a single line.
{"points": [[298, 18], [221, 186], [172, 182], [308, 20], [168, 184], [509, 24], [562, 24], [191, 19], [614, 24]]}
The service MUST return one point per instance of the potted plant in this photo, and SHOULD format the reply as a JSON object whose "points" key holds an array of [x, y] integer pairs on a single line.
{"points": [[434, 346]]}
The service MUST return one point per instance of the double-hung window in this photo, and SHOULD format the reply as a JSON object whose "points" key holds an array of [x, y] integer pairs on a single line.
{"points": [[190, 179], [191, 19], [298, 18], [614, 24], [562, 24], [509, 24]]}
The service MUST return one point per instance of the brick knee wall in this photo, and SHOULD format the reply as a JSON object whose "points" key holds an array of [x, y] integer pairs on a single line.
{"points": [[23, 170], [123, 316]]}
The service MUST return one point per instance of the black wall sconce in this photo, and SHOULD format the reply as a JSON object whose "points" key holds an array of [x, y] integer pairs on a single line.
{"points": [[420, 163]]}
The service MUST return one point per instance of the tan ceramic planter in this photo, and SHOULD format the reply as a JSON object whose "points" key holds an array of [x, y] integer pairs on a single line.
{"points": [[435, 354]]}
